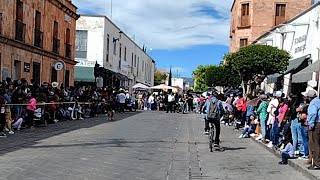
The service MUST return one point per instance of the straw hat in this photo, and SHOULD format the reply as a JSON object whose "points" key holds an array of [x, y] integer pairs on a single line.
{"points": [[54, 84]]}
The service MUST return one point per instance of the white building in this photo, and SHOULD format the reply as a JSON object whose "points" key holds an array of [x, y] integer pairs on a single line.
{"points": [[300, 36], [99, 40]]}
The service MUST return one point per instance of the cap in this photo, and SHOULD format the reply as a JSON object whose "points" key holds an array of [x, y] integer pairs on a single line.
{"points": [[278, 94]]}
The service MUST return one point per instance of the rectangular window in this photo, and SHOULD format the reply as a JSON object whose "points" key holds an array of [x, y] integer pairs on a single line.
{"points": [[0, 23], [38, 34], [67, 78], [17, 69], [68, 45], [37, 21], [125, 53], [120, 51], [280, 13], [81, 44], [243, 42], [138, 66], [245, 18], [55, 29], [36, 72], [114, 47], [54, 75], [55, 39], [120, 55], [19, 11], [108, 43], [143, 65], [135, 60]]}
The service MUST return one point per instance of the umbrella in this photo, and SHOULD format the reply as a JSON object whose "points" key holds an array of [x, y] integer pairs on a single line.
{"points": [[254, 102], [140, 86], [162, 86], [227, 106]]}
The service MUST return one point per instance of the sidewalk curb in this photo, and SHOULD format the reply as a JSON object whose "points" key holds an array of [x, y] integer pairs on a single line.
{"points": [[294, 165]]}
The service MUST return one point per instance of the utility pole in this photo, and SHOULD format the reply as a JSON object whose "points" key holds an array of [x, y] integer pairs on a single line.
{"points": [[111, 8]]}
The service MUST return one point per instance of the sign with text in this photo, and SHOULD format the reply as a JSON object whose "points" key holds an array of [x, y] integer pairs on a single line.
{"points": [[299, 41], [86, 63]]}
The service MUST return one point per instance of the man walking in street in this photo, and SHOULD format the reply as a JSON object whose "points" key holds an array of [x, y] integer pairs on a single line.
{"points": [[313, 121], [171, 100], [121, 98]]}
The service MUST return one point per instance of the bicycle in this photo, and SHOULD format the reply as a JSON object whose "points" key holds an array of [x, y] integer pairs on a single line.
{"points": [[211, 136]]}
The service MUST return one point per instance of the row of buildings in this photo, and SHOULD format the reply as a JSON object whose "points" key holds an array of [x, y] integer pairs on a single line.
{"points": [[289, 25], [47, 41]]}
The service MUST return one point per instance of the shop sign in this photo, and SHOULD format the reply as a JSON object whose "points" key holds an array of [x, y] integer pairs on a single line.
{"points": [[86, 63], [26, 67], [299, 41]]}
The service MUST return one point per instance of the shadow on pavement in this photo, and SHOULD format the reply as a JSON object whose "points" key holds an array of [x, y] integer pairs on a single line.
{"points": [[233, 148], [28, 137]]}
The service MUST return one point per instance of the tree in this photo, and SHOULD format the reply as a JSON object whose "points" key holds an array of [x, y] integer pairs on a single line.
{"points": [[159, 77], [199, 75], [223, 76], [257, 61]]}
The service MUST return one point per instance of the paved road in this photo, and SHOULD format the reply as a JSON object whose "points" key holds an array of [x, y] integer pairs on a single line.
{"points": [[147, 145]]}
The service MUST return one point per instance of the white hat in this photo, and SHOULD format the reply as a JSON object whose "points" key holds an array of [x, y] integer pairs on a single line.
{"points": [[310, 92], [55, 84]]}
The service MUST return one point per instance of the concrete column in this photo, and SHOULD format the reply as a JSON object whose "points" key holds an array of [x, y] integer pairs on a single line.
{"points": [[287, 84]]}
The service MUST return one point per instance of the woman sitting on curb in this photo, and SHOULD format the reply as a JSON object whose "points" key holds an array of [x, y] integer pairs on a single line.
{"points": [[286, 151]]}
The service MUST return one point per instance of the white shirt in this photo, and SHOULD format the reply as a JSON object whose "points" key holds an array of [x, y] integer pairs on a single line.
{"points": [[121, 98], [151, 99], [170, 98]]}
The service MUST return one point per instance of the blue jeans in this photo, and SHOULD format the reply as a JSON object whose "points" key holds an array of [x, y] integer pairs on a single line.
{"points": [[304, 136], [285, 156], [296, 134], [274, 133], [18, 110], [263, 125]]}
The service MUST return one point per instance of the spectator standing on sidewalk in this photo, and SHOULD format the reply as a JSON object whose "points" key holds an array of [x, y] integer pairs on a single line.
{"points": [[171, 101], [31, 107], [263, 115], [314, 128]]}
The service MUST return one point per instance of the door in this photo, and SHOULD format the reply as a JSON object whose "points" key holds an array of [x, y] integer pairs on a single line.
{"points": [[36, 72]]}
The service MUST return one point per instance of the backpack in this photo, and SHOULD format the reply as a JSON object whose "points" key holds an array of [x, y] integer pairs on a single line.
{"points": [[213, 110]]}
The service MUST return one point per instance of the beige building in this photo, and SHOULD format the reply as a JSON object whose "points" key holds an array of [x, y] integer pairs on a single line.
{"points": [[34, 36], [251, 18]]}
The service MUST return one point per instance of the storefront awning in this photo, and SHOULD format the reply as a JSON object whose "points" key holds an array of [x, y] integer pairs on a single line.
{"points": [[305, 75], [84, 74], [292, 67]]}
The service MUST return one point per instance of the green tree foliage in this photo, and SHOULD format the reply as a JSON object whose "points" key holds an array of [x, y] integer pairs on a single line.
{"points": [[199, 78], [159, 77], [223, 76], [257, 59]]}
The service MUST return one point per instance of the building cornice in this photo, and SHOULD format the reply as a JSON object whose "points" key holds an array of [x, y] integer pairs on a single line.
{"points": [[35, 50], [65, 8]]}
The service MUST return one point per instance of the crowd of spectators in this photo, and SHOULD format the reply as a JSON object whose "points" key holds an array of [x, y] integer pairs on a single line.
{"points": [[289, 124], [25, 105]]}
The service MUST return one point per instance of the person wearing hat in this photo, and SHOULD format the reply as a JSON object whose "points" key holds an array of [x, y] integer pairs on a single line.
{"points": [[313, 121]]}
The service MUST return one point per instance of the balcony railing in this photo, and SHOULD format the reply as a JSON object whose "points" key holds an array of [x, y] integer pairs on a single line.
{"points": [[20, 31], [68, 50], [38, 38], [55, 45]]}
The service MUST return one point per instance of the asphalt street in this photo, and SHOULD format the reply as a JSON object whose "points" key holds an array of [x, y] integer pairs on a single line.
{"points": [[144, 145]]}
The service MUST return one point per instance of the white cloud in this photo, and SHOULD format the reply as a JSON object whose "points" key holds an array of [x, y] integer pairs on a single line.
{"points": [[167, 24]]}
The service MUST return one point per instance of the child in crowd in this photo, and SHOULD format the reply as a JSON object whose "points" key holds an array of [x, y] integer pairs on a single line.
{"points": [[249, 128], [286, 151]]}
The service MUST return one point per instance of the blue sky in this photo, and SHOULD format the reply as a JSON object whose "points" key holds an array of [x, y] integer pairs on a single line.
{"points": [[182, 34]]}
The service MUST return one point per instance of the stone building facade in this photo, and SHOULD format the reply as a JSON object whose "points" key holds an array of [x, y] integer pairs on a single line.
{"points": [[34, 35], [251, 18]]}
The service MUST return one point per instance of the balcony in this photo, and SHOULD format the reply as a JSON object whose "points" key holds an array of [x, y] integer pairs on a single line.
{"points": [[38, 38], [68, 50], [20, 31], [55, 45]]}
